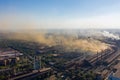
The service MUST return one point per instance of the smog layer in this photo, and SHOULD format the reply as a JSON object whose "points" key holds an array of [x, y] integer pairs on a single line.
{"points": [[69, 41]]}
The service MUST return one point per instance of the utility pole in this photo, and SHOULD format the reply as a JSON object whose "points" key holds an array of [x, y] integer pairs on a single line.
{"points": [[101, 57], [34, 63], [40, 63], [97, 56]]}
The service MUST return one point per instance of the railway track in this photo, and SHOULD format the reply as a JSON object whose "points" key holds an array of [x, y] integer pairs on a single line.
{"points": [[92, 60]]}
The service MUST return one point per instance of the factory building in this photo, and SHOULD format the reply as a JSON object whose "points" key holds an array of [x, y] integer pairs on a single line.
{"points": [[9, 57]]}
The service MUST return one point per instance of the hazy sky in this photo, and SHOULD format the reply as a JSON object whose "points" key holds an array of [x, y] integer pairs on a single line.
{"points": [[59, 14]]}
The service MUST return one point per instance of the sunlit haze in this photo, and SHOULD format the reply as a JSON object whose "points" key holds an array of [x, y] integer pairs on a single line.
{"points": [[59, 14]]}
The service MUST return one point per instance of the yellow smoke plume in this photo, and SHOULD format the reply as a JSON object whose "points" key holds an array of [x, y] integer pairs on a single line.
{"points": [[69, 43]]}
